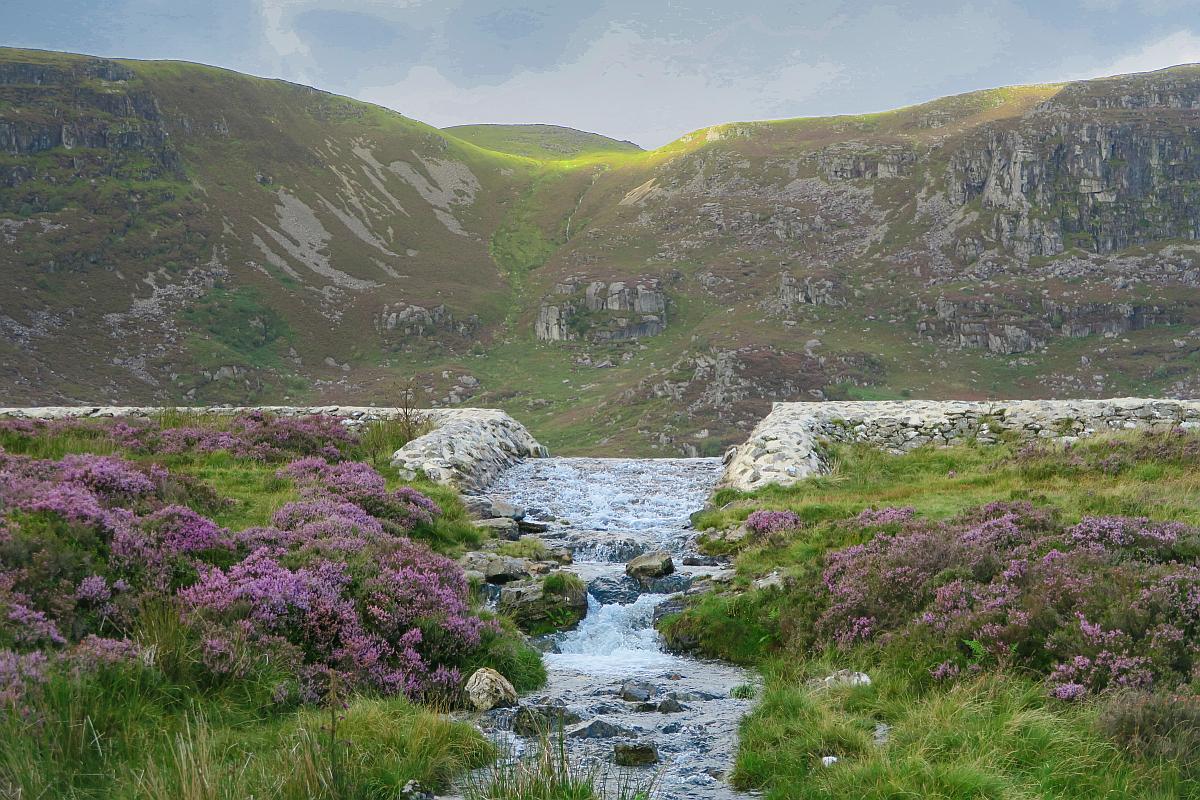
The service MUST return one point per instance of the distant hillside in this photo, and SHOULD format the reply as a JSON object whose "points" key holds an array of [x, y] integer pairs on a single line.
{"points": [[181, 233], [543, 142]]}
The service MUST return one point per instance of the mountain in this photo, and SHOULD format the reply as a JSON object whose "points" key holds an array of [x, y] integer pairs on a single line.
{"points": [[180, 233], [543, 142]]}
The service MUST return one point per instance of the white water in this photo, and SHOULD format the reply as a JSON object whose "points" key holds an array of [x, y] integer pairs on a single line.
{"points": [[601, 505], [615, 640], [613, 494]]}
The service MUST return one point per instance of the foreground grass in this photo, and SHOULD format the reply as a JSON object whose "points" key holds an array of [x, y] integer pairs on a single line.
{"points": [[941, 482], [994, 736], [991, 732], [214, 751]]}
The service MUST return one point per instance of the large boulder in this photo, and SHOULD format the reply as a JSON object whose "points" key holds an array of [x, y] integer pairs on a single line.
{"points": [[635, 754], [598, 729], [657, 564], [542, 606], [614, 590], [488, 689]]}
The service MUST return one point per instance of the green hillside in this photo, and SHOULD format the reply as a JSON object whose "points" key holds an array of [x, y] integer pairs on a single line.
{"points": [[542, 142], [1035, 241]]}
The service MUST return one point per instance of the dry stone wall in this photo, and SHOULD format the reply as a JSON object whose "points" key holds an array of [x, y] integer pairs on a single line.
{"points": [[786, 446], [467, 449]]}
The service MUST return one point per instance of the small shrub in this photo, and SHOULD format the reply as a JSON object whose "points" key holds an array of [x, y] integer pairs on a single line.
{"points": [[1159, 725]]}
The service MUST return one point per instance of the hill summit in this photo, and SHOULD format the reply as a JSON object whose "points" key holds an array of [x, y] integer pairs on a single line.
{"points": [[176, 233]]}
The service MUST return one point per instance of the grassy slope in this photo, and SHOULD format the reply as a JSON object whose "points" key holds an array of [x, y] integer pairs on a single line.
{"points": [[997, 735], [156, 735], [537, 220], [542, 142]]}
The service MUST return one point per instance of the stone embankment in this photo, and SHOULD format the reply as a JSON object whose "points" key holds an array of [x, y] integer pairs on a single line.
{"points": [[786, 446], [467, 448]]}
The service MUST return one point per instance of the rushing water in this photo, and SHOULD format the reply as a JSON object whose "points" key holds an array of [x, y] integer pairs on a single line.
{"points": [[608, 510]]}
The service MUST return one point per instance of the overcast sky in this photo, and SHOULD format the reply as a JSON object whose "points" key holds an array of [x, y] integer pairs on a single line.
{"points": [[643, 70]]}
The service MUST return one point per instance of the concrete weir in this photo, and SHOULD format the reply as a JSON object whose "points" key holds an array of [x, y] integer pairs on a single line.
{"points": [[785, 447], [467, 448]]}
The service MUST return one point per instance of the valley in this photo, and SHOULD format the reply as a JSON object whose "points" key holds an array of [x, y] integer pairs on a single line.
{"points": [[181, 234]]}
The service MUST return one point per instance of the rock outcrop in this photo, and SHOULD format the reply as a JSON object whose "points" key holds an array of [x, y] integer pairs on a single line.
{"points": [[601, 312]]}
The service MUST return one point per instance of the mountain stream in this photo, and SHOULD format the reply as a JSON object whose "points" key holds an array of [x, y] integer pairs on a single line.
{"points": [[608, 511]]}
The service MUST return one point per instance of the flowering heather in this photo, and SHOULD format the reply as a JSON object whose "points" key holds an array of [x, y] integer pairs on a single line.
{"points": [[1104, 604], [259, 436], [767, 522], [358, 483], [333, 583], [388, 624], [252, 434]]}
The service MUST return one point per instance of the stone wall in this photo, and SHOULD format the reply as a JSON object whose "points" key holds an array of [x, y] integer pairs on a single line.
{"points": [[785, 447], [466, 450]]}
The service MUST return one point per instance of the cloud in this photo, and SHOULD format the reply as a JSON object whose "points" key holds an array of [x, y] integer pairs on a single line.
{"points": [[623, 85], [1181, 47]]}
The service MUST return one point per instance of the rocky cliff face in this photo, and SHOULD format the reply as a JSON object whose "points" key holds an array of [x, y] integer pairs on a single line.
{"points": [[600, 312], [180, 233]]}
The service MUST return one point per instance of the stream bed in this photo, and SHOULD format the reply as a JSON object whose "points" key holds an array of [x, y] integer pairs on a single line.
{"points": [[608, 511]]}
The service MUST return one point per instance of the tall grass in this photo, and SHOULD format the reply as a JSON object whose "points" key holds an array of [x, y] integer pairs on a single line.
{"points": [[994, 736]]}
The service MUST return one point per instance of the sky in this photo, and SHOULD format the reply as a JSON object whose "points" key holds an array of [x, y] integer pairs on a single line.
{"points": [[647, 71]]}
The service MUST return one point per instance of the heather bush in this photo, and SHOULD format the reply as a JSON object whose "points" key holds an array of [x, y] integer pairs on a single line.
{"points": [[767, 522], [1093, 606], [1157, 725]]}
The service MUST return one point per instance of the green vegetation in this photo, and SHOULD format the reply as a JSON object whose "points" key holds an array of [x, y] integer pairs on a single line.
{"points": [[542, 142], [963, 701], [994, 736], [152, 696]]}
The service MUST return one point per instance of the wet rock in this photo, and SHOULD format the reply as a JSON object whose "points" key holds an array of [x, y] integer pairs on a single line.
{"points": [[636, 691], [668, 608], [488, 689], [535, 609], [598, 729], [614, 590], [526, 526], [650, 565], [500, 508], [843, 677], [604, 708], [693, 697], [670, 706], [703, 561], [503, 527], [635, 754], [537, 720], [669, 585], [413, 790], [645, 708], [672, 727], [478, 507], [546, 643]]}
